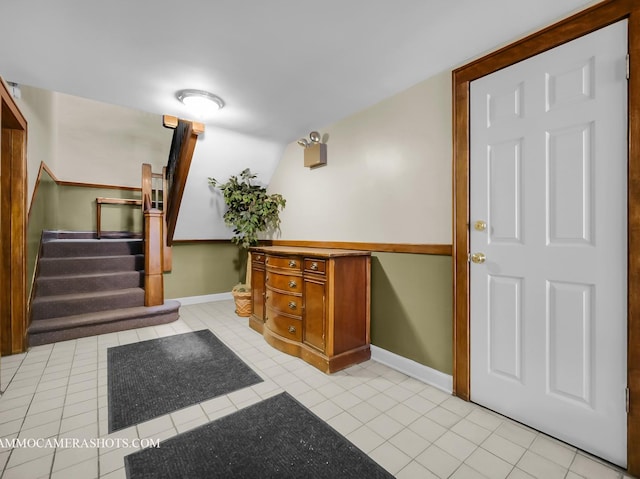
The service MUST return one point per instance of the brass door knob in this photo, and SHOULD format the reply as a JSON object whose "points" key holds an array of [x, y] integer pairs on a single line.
{"points": [[478, 258], [480, 225]]}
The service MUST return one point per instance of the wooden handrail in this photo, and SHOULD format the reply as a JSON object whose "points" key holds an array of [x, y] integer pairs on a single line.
{"points": [[100, 200], [183, 145]]}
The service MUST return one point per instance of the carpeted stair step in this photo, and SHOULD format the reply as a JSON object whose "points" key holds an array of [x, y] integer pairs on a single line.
{"points": [[87, 283], [86, 286], [87, 247], [90, 264], [49, 235], [44, 307], [45, 331], [63, 234]]}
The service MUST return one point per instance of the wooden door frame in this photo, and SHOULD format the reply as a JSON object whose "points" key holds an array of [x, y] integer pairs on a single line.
{"points": [[13, 226], [582, 23]]}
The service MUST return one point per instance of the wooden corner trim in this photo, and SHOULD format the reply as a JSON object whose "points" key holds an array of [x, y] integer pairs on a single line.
{"points": [[17, 119], [169, 121]]}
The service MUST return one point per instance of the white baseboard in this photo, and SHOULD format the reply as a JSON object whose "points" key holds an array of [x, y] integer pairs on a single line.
{"points": [[423, 373], [206, 298]]}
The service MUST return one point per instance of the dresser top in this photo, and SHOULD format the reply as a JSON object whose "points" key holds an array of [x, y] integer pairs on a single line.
{"points": [[304, 251]]}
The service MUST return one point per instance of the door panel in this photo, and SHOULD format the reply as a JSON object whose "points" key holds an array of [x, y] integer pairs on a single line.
{"points": [[570, 327], [548, 176], [569, 185], [505, 327], [505, 189]]}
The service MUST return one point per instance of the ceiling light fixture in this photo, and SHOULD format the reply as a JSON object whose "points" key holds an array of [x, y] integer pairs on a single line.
{"points": [[201, 102]]}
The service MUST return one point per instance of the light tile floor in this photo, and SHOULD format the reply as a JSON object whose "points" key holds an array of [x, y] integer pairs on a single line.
{"points": [[413, 430]]}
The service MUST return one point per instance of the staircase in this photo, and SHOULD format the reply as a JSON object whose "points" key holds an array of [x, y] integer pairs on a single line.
{"points": [[87, 286]]}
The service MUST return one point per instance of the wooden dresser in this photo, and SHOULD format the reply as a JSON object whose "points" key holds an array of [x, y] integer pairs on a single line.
{"points": [[313, 303]]}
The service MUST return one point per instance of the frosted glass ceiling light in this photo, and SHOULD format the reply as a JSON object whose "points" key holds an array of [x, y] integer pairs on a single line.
{"points": [[200, 102]]}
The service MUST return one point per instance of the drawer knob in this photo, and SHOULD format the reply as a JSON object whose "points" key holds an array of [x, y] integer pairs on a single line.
{"points": [[292, 329], [314, 266], [292, 284], [266, 260], [292, 305], [292, 264]]}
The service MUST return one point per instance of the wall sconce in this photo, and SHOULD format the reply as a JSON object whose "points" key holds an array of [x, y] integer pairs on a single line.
{"points": [[315, 152]]}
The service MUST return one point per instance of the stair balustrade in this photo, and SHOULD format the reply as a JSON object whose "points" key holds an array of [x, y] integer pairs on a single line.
{"points": [[161, 199]]}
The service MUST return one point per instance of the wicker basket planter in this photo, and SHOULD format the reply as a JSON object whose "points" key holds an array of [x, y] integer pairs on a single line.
{"points": [[243, 302]]}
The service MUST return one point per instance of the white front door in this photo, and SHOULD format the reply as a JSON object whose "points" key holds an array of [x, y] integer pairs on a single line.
{"points": [[548, 180]]}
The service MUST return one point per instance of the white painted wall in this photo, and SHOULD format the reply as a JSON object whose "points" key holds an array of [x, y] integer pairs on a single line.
{"points": [[220, 154], [387, 178], [107, 144], [38, 107]]}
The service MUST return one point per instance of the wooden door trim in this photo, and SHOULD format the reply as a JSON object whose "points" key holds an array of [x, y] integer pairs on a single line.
{"points": [[13, 225], [578, 25]]}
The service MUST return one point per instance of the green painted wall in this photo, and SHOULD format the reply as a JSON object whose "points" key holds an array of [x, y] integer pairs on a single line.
{"points": [[77, 209], [202, 268], [43, 215], [412, 309]]}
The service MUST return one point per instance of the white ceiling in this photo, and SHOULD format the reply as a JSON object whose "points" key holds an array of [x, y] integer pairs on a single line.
{"points": [[283, 67]]}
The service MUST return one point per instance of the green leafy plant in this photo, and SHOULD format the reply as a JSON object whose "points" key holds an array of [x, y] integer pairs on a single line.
{"points": [[250, 210]]}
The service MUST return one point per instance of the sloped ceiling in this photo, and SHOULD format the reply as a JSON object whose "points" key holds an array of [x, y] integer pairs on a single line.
{"points": [[283, 67]]}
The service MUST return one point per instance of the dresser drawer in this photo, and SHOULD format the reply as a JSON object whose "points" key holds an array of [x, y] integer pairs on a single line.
{"points": [[284, 282], [284, 326], [285, 303], [284, 262], [258, 258], [314, 266]]}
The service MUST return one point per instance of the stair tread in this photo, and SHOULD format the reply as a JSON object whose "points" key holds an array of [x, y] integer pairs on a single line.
{"points": [[56, 248], [65, 234], [90, 275], [97, 257], [95, 294], [78, 320], [93, 240]]}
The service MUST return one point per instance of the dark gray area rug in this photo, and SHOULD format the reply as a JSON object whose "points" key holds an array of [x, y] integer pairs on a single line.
{"points": [[275, 438], [152, 378]]}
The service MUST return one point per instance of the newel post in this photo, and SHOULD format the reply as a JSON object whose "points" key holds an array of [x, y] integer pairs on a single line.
{"points": [[153, 277]]}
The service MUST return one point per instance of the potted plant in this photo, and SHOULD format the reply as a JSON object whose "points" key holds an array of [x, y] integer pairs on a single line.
{"points": [[250, 211], [242, 297]]}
